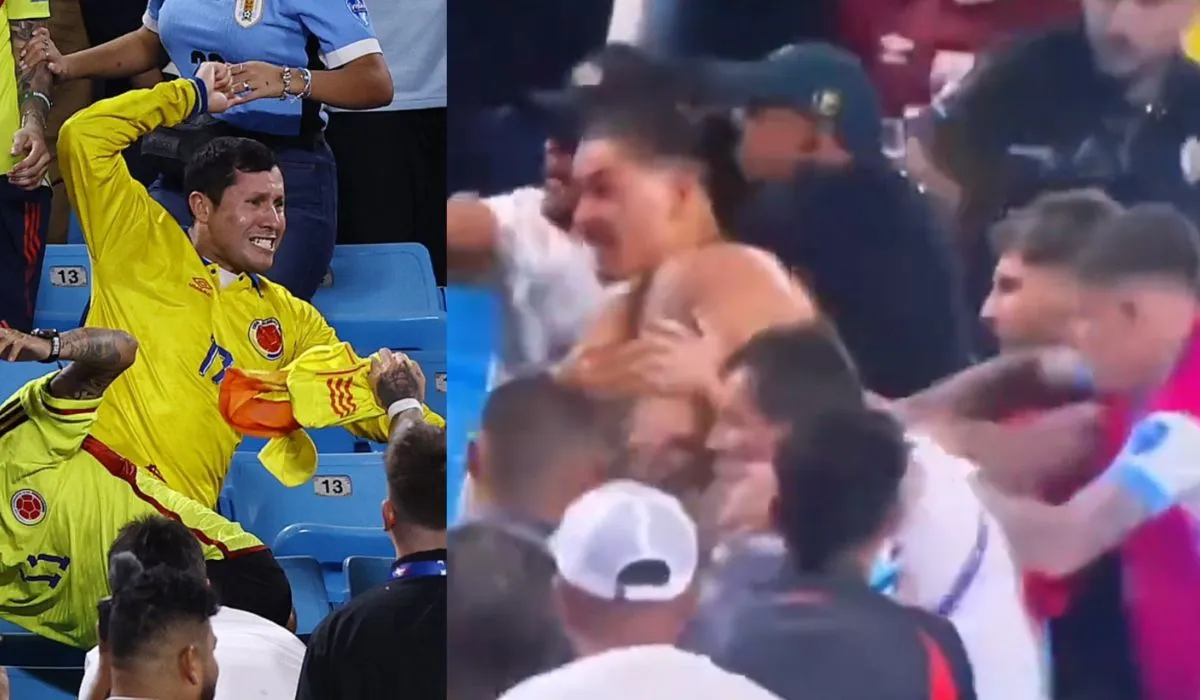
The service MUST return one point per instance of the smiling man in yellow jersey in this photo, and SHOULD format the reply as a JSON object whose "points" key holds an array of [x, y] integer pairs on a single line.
{"points": [[196, 301], [65, 496]]}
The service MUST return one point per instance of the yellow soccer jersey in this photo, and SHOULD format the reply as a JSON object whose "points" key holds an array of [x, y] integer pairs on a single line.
{"points": [[65, 497], [10, 99], [149, 281]]}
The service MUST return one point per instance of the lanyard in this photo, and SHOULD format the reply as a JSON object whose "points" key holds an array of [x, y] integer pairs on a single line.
{"points": [[419, 569], [966, 575]]}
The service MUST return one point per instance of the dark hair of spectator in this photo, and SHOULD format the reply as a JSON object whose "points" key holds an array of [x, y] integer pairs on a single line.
{"points": [[152, 604], [839, 484], [158, 541], [798, 373], [1053, 229], [215, 165], [416, 475], [501, 623], [1147, 241], [660, 129], [535, 424]]}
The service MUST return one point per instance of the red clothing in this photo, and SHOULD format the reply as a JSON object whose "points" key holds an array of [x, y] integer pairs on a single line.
{"points": [[899, 40], [1161, 559]]}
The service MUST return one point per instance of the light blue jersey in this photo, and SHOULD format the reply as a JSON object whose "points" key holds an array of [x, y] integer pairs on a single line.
{"points": [[276, 31]]}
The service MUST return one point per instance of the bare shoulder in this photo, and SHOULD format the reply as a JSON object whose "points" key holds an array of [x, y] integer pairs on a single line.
{"points": [[736, 268]]}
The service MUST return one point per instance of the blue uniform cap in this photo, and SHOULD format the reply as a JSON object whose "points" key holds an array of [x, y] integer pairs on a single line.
{"points": [[818, 79]]}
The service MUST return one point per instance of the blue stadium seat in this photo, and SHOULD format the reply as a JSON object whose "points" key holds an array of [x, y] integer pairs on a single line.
{"points": [[308, 592], [384, 291], [346, 490], [330, 545], [364, 573], [44, 685], [433, 366], [336, 439], [14, 375], [65, 289], [471, 333], [74, 230], [21, 648]]}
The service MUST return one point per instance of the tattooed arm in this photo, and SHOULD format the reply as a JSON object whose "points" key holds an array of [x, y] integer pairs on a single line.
{"points": [[394, 378], [34, 81], [97, 356]]}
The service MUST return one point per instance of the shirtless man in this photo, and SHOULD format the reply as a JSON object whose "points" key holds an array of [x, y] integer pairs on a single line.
{"points": [[521, 241], [657, 188]]}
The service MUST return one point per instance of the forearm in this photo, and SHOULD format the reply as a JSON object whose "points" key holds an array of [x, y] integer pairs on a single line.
{"points": [[364, 83], [97, 356], [127, 55], [988, 391], [1060, 540], [33, 81]]}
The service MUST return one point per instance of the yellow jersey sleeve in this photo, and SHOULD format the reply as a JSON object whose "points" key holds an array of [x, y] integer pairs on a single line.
{"points": [[58, 425], [116, 213], [27, 9]]}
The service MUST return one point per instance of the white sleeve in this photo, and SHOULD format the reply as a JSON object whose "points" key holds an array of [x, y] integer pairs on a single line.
{"points": [[527, 243], [1160, 462], [91, 669]]}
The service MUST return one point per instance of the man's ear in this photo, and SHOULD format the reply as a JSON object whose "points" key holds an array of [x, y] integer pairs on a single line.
{"points": [[190, 667], [200, 206], [388, 513]]}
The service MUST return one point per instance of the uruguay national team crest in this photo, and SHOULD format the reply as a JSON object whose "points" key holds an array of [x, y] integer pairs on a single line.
{"points": [[28, 507], [247, 12], [359, 10], [266, 335]]}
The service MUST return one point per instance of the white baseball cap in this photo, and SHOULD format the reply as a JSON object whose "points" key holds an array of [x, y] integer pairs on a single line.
{"points": [[627, 541]]}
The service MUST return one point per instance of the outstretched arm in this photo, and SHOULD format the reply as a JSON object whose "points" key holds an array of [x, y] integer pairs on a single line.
{"points": [[996, 388], [1155, 471], [97, 356]]}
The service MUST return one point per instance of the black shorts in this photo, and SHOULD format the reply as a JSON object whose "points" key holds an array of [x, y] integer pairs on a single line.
{"points": [[253, 582]]}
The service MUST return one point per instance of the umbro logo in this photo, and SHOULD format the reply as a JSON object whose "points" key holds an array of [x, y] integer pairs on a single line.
{"points": [[201, 285]]}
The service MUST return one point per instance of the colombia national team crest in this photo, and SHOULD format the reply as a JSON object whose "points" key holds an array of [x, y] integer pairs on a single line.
{"points": [[28, 507], [266, 335]]}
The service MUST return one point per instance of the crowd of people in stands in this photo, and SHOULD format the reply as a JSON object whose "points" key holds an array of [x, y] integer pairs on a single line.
{"points": [[863, 369], [210, 204]]}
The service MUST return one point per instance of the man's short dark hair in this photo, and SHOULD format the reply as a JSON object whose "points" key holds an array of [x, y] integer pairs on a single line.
{"points": [[150, 605], [534, 424], [501, 623], [215, 165], [416, 474], [1147, 241], [158, 541], [838, 484], [799, 372], [1053, 229]]}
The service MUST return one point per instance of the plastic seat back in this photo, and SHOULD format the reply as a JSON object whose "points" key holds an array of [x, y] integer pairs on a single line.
{"points": [[65, 289]]}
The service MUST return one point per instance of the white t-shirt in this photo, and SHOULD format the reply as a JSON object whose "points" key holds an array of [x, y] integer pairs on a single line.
{"points": [[258, 659], [547, 284], [940, 530], [639, 673]]}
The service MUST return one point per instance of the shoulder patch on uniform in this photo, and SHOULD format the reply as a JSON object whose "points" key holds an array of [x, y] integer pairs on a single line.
{"points": [[359, 9]]}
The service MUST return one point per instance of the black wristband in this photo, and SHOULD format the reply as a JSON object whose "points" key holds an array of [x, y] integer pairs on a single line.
{"points": [[55, 343]]}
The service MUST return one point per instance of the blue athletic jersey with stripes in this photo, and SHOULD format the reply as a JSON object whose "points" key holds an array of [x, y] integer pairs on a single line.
{"points": [[275, 31]]}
